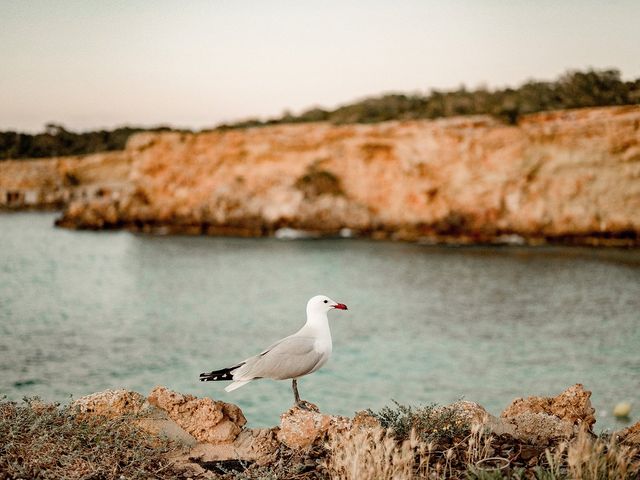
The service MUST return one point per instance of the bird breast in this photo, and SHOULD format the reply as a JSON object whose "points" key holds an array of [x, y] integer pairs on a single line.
{"points": [[323, 346]]}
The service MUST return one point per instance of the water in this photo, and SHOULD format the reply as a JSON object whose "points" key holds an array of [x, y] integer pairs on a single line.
{"points": [[83, 311]]}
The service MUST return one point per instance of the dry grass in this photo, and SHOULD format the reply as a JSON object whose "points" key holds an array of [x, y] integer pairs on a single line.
{"points": [[591, 459], [375, 454], [378, 454], [49, 441]]}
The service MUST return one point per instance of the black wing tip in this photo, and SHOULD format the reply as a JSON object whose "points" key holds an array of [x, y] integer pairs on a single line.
{"points": [[220, 375], [216, 376]]}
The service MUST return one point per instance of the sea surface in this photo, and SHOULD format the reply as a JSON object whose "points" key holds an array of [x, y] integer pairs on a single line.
{"points": [[82, 312]]}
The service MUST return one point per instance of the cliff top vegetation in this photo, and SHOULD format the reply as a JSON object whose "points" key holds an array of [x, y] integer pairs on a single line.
{"points": [[574, 89]]}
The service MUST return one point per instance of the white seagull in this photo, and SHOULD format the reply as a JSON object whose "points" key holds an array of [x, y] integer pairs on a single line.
{"points": [[292, 357]]}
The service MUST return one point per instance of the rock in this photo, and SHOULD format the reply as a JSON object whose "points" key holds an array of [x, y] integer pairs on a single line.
{"points": [[300, 428], [540, 419], [111, 403], [119, 403], [475, 414], [471, 412], [203, 418], [630, 435], [41, 407], [257, 445], [157, 422], [364, 419], [573, 406], [539, 428]]}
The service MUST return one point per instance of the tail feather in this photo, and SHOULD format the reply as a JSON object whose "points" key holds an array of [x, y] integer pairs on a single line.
{"points": [[236, 384], [219, 375]]}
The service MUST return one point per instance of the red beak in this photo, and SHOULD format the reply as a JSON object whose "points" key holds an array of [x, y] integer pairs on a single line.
{"points": [[341, 306]]}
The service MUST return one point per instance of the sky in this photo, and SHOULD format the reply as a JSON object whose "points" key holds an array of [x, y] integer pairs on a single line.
{"points": [[90, 64]]}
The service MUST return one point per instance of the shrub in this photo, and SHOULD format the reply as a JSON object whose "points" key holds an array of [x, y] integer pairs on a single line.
{"points": [[319, 182], [431, 423]]}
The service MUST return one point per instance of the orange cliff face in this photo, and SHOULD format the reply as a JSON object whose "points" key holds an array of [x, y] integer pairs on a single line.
{"points": [[567, 174]]}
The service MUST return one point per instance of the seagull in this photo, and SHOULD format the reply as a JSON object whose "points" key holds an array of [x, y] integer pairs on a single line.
{"points": [[292, 357]]}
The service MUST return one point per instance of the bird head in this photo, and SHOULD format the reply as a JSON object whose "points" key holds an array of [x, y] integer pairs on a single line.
{"points": [[322, 304]]}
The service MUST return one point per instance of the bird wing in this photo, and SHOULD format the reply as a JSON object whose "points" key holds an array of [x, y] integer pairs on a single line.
{"points": [[291, 357]]}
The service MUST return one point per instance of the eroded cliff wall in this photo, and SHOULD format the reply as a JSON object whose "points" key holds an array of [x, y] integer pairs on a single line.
{"points": [[560, 175]]}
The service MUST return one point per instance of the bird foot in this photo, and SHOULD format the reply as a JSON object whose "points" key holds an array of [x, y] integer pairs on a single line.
{"points": [[304, 405]]}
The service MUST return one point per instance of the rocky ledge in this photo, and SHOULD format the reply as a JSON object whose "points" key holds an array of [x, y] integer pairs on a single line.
{"points": [[214, 435]]}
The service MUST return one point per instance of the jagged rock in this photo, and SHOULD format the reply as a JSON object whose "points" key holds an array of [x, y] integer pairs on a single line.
{"points": [[118, 403], [111, 403], [157, 422], [475, 414], [258, 445], [302, 427], [573, 406], [205, 419], [538, 428], [364, 419], [540, 419], [630, 435], [470, 411]]}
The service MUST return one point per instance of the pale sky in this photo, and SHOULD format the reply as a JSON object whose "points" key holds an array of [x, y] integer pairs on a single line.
{"points": [[100, 64]]}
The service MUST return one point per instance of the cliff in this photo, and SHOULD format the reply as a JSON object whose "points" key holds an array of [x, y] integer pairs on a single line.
{"points": [[54, 183], [567, 176]]}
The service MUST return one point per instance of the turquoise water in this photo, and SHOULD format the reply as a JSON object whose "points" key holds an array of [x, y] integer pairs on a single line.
{"points": [[86, 311]]}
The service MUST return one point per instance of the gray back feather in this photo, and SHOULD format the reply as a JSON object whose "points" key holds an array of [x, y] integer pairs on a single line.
{"points": [[291, 357]]}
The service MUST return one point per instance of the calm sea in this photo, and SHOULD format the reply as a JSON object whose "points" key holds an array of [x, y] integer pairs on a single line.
{"points": [[81, 312]]}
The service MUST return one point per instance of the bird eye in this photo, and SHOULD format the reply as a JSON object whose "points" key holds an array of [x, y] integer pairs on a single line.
{"points": [[326, 301]]}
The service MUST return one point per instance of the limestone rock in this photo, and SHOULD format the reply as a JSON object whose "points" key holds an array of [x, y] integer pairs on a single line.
{"points": [[538, 428], [540, 419], [470, 411], [111, 403], [157, 422], [572, 406], [300, 428], [364, 419], [205, 419], [259, 445], [630, 435]]}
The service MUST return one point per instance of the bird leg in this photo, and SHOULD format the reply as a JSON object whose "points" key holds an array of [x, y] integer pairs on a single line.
{"points": [[294, 385], [303, 404]]}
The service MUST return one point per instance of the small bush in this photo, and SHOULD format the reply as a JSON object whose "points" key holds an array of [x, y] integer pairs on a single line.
{"points": [[319, 182], [432, 424]]}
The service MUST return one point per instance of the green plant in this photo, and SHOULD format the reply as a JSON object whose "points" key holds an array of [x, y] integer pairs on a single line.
{"points": [[431, 423], [319, 182]]}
